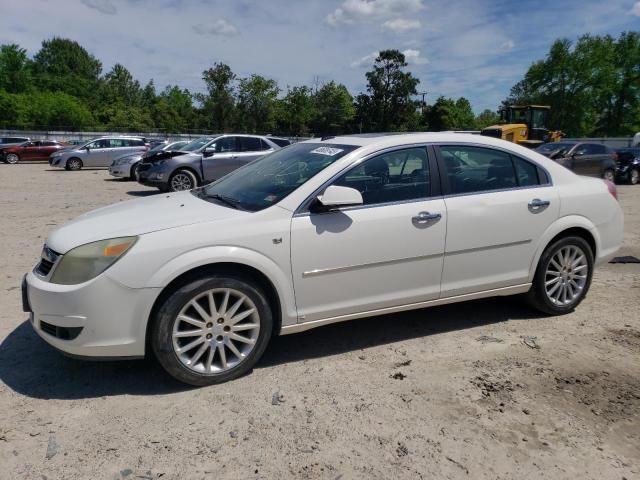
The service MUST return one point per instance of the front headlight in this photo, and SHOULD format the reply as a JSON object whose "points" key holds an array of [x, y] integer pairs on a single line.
{"points": [[85, 262]]}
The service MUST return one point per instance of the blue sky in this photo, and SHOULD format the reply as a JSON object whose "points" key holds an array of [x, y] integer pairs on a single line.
{"points": [[471, 48]]}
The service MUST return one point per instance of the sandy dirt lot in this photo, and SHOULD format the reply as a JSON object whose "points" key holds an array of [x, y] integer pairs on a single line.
{"points": [[450, 392]]}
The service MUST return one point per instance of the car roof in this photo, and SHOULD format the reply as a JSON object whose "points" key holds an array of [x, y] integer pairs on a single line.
{"points": [[401, 138]]}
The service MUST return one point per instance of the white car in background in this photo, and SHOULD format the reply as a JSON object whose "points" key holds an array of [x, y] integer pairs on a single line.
{"points": [[320, 232]]}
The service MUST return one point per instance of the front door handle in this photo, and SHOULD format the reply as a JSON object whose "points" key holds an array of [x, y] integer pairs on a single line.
{"points": [[426, 218], [536, 205]]}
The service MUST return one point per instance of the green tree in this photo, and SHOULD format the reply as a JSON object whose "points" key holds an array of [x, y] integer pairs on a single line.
{"points": [[486, 118], [119, 87], [390, 89], [334, 109], [218, 104], [256, 104], [15, 68], [63, 65], [296, 111], [173, 110], [449, 114]]}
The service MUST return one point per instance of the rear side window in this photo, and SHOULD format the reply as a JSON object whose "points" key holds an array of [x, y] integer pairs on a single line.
{"points": [[133, 142], [475, 169], [281, 142], [49, 144], [396, 176], [264, 145], [117, 143], [249, 144]]}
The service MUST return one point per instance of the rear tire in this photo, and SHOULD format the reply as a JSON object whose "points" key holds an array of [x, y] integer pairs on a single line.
{"points": [[563, 276], [212, 342], [73, 164], [634, 176], [12, 158], [182, 180]]}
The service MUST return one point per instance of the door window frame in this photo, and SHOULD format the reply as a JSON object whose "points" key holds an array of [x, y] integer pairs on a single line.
{"points": [[434, 173], [444, 180]]}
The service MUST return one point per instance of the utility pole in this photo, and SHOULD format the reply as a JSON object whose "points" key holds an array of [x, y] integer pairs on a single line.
{"points": [[423, 104]]}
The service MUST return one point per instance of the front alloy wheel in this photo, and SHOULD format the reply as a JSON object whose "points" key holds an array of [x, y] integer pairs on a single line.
{"points": [[216, 330], [12, 158], [634, 176], [182, 180], [212, 330]]}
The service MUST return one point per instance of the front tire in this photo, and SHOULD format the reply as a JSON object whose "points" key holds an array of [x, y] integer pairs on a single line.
{"points": [[73, 164], [182, 180], [133, 174], [563, 276], [634, 176], [12, 158], [212, 330]]}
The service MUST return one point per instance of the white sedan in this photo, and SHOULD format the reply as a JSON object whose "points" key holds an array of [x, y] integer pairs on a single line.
{"points": [[322, 231]]}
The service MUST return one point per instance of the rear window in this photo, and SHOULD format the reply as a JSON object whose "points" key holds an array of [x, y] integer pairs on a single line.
{"points": [[249, 144], [281, 142]]}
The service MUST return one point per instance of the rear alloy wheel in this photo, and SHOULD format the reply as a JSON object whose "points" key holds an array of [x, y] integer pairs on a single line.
{"points": [[12, 158], [563, 276], [634, 176], [212, 330], [609, 175], [182, 180], [73, 164]]}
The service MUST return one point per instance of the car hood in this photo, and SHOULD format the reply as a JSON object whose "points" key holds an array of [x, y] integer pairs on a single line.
{"points": [[137, 217], [169, 154]]}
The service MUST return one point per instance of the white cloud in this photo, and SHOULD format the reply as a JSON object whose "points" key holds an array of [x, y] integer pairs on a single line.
{"points": [[635, 10], [103, 6], [365, 61], [358, 11], [400, 25], [411, 55], [508, 45], [219, 27]]}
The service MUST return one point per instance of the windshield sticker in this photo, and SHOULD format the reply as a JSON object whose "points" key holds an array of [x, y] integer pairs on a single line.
{"points": [[327, 151]]}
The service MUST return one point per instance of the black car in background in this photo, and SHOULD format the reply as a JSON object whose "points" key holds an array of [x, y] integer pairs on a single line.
{"points": [[628, 165], [590, 159]]}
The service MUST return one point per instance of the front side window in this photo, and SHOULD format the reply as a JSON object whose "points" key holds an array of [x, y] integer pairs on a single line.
{"points": [[396, 176], [225, 145], [198, 144], [266, 181], [102, 143]]}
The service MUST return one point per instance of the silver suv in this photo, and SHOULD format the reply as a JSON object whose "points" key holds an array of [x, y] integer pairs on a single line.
{"points": [[99, 152], [203, 160]]}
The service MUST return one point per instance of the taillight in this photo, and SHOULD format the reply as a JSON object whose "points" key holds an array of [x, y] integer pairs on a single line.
{"points": [[613, 190]]}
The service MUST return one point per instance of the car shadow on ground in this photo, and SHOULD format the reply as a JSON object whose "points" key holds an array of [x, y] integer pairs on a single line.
{"points": [[32, 368]]}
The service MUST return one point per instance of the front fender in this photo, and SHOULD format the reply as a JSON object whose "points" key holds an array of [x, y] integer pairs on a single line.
{"points": [[230, 254], [557, 227]]}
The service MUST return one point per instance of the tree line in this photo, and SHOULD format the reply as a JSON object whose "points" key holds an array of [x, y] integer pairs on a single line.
{"points": [[592, 88]]}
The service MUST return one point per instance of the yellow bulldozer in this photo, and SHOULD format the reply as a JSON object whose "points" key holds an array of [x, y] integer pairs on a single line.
{"points": [[525, 125]]}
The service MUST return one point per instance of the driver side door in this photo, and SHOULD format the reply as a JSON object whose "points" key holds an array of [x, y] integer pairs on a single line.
{"points": [[223, 159], [96, 153], [384, 253]]}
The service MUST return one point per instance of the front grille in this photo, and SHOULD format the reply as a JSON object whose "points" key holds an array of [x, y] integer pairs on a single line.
{"points": [[492, 132], [63, 333]]}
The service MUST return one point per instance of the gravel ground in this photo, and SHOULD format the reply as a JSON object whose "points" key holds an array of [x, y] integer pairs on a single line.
{"points": [[447, 392]]}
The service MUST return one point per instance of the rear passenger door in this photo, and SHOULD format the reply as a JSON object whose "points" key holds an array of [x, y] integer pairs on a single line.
{"points": [[586, 160], [498, 206], [250, 149]]}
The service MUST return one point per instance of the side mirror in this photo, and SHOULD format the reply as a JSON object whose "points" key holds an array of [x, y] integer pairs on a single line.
{"points": [[208, 152], [335, 197]]}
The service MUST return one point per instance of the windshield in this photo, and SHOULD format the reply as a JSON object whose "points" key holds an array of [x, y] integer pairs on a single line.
{"points": [[198, 144], [157, 148], [553, 146], [271, 178]]}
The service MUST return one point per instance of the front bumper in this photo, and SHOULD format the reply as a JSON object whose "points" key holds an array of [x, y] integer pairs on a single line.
{"points": [[98, 318], [120, 171], [152, 176]]}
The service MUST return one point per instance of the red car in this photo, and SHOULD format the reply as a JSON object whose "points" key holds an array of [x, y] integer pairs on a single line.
{"points": [[39, 150]]}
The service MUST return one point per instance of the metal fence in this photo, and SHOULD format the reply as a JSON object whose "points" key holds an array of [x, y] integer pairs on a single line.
{"points": [[613, 142]]}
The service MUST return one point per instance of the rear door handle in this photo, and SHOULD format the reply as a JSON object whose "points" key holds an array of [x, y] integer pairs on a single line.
{"points": [[536, 205], [426, 218]]}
